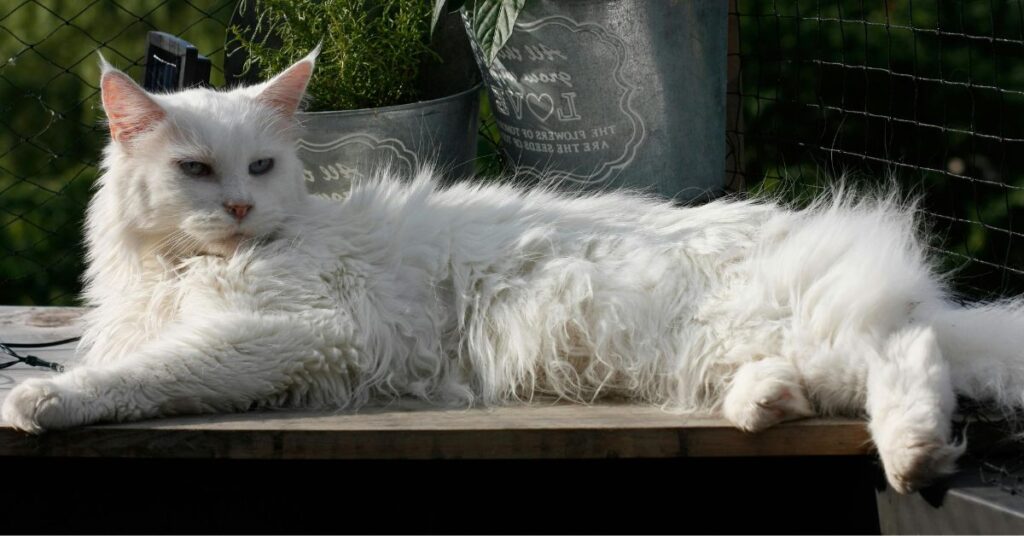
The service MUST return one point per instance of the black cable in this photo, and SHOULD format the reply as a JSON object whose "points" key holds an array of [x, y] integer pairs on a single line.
{"points": [[38, 344], [8, 348]]}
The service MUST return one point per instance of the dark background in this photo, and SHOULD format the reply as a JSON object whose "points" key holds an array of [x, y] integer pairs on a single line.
{"points": [[727, 495]]}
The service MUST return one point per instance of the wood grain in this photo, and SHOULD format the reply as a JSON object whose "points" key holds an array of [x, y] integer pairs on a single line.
{"points": [[406, 429]]}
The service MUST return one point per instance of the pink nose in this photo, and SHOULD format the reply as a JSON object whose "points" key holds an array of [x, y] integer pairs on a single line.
{"points": [[237, 210]]}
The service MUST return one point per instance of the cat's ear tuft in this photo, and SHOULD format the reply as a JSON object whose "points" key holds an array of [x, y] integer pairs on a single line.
{"points": [[284, 92], [105, 65], [130, 110]]}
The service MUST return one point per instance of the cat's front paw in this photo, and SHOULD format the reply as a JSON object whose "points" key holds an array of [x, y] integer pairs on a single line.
{"points": [[760, 397], [40, 404], [768, 406]]}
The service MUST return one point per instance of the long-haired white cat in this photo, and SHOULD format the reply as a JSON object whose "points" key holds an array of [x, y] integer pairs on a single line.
{"points": [[220, 286]]}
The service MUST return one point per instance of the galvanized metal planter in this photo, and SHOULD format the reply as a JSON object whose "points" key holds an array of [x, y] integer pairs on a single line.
{"points": [[614, 93], [339, 147]]}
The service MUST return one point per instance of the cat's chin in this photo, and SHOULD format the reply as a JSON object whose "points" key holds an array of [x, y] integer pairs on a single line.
{"points": [[225, 247]]}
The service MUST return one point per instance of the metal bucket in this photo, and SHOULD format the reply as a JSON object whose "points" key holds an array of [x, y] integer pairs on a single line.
{"points": [[615, 93], [339, 147]]}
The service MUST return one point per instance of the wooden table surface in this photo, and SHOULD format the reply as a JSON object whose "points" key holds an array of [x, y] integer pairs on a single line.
{"points": [[403, 430]]}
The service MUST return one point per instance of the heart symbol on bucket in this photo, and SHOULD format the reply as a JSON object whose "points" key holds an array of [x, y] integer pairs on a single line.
{"points": [[541, 106]]}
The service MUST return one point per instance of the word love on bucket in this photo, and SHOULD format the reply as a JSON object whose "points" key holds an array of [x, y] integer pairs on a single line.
{"points": [[542, 106], [615, 94]]}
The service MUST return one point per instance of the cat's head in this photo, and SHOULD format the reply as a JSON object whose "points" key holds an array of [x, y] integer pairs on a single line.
{"points": [[202, 170]]}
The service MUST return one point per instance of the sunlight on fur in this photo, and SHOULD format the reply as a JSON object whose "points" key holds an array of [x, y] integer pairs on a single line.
{"points": [[219, 285]]}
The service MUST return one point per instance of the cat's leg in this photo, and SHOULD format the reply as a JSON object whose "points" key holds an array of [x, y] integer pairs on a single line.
{"points": [[910, 402], [113, 333], [764, 393], [217, 365]]}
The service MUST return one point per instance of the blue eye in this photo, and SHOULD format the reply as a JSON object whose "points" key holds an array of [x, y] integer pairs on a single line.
{"points": [[195, 169], [261, 166]]}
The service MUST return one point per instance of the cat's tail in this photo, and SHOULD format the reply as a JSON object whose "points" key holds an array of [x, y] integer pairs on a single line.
{"points": [[984, 345]]}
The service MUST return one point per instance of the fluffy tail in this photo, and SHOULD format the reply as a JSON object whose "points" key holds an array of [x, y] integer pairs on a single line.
{"points": [[985, 348]]}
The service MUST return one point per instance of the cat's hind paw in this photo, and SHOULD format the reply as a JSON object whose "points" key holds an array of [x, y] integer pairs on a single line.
{"points": [[914, 462], [39, 404]]}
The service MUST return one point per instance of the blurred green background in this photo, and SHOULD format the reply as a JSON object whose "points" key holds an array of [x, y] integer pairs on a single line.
{"points": [[928, 94], [51, 133]]}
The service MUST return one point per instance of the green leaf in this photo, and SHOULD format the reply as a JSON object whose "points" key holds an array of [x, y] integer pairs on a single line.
{"points": [[442, 7], [492, 22]]}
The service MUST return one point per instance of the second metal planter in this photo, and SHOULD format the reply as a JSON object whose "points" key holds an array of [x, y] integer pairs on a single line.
{"points": [[615, 93]]}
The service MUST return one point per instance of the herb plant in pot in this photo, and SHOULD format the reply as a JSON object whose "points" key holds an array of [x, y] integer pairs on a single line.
{"points": [[390, 89], [608, 93]]}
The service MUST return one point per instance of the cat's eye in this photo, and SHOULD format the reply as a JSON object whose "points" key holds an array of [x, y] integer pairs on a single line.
{"points": [[195, 169], [261, 166]]}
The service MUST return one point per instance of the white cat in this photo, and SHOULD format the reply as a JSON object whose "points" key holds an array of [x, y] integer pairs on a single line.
{"points": [[220, 286]]}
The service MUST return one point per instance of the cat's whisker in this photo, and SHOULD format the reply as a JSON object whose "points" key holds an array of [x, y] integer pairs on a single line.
{"points": [[159, 245], [176, 245], [167, 246]]}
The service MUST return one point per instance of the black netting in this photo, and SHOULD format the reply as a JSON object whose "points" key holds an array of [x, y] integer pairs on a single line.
{"points": [[50, 122], [926, 94]]}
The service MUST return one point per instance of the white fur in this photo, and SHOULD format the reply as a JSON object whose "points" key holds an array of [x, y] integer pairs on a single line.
{"points": [[492, 294]]}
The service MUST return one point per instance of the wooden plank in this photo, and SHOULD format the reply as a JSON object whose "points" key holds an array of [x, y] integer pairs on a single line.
{"points": [[262, 436], [408, 429], [39, 324]]}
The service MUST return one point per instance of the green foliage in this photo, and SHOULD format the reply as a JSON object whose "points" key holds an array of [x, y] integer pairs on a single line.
{"points": [[372, 49], [492, 22], [440, 8]]}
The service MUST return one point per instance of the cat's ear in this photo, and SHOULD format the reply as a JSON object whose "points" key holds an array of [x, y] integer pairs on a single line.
{"points": [[284, 92], [130, 110]]}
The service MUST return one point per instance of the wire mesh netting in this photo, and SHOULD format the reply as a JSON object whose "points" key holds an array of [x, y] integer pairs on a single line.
{"points": [[923, 93], [51, 132], [926, 93]]}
